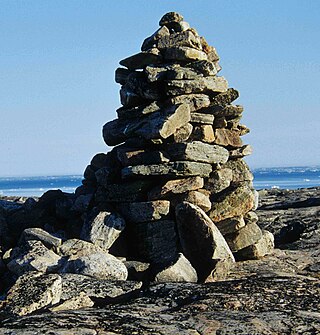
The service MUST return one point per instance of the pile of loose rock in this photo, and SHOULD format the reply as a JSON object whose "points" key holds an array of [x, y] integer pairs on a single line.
{"points": [[172, 201]]}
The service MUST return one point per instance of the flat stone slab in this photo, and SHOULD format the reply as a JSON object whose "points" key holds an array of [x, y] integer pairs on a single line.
{"points": [[38, 234], [202, 118], [227, 137], [195, 101], [201, 85], [157, 125], [183, 54], [176, 186], [201, 241], [197, 151], [141, 59], [138, 212], [174, 169], [180, 39]]}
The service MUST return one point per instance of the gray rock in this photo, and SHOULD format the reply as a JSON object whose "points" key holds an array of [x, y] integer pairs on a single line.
{"points": [[141, 59], [180, 39], [151, 41], [262, 247], [243, 151], [99, 265], [203, 133], [240, 170], [235, 202], [198, 152], [229, 226], [200, 239], [194, 197], [138, 212], [176, 186], [202, 118], [174, 169], [33, 256], [183, 54], [33, 292], [138, 111], [206, 84], [138, 270], [246, 236], [180, 271], [227, 111], [227, 137], [38, 234], [160, 124], [225, 98], [195, 101], [182, 134], [219, 180], [75, 303], [169, 18], [103, 229]]}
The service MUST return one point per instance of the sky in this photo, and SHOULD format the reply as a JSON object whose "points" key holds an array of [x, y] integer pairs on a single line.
{"points": [[57, 63]]}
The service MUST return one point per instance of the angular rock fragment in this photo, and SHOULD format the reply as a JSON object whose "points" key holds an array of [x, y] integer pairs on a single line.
{"points": [[75, 248], [194, 197], [262, 247], [180, 39], [174, 169], [157, 125], [140, 60], [246, 236], [229, 226], [200, 239], [195, 101], [203, 133], [38, 234], [33, 292], [33, 256], [75, 303], [182, 134], [103, 229], [151, 41], [234, 203], [227, 137], [245, 150], [240, 170], [219, 180], [169, 19], [180, 271]]}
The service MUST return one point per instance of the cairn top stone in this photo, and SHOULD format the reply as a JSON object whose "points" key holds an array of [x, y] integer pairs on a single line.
{"points": [[169, 18]]}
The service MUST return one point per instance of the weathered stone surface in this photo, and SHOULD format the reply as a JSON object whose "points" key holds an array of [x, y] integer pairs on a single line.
{"points": [[74, 284], [138, 270], [176, 186], [33, 292], [194, 197], [183, 133], [209, 50], [240, 170], [98, 265], [174, 169], [200, 239], [141, 59], [198, 152], [138, 212], [170, 18], [75, 248], [129, 156], [124, 192], [246, 236], [138, 111], [32, 256], [236, 202], [219, 180], [227, 137], [226, 111], [195, 101], [263, 247], [151, 41], [204, 67], [202, 118], [225, 98], [201, 85], [75, 303], [183, 54], [38, 234], [245, 150], [229, 226], [156, 241], [203, 133], [180, 271], [156, 125], [221, 270], [180, 39], [103, 228]]}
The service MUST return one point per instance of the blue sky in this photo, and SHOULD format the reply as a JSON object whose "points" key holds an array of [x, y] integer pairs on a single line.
{"points": [[57, 63]]}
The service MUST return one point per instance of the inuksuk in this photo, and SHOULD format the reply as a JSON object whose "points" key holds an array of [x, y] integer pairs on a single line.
{"points": [[175, 179]]}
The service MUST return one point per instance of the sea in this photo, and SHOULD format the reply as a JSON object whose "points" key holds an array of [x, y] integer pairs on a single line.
{"points": [[264, 178]]}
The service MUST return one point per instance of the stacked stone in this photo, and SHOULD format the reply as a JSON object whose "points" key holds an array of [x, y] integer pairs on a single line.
{"points": [[176, 174]]}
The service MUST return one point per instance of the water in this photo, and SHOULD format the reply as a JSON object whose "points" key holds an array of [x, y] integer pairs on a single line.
{"points": [[288, 178]]}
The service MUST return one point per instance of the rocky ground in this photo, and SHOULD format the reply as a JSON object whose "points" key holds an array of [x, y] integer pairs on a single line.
{"points": [[278, 294]]}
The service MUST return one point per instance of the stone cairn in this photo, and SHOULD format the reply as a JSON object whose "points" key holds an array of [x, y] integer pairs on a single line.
{"points": [[172, 201], [176, 174]]}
